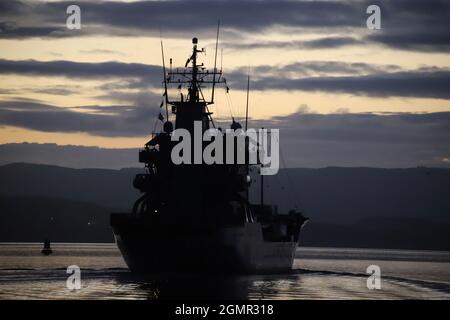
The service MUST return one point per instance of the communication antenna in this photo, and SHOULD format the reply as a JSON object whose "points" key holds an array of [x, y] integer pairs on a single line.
{"points": [[215, 62], [165, 81], [246, 125], [262, 181], [246, 107], [221, 59]]}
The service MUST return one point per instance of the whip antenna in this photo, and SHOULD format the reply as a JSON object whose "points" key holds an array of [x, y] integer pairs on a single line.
{"points": [[165, 81], [215, 62]]}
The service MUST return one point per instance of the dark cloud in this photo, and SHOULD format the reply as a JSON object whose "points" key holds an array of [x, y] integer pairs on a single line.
{"points": [[414, 25], [374, 140], [12, 7], [320, 43], [56, 90], [320, 68], [352, 78], [68, 156], [113, 110], [101, 70], [10, 30], [416, 83], [392, 128], [410, 25], [422, 40], [307, 139], [199, 14], [126, 121], [330, 42]]}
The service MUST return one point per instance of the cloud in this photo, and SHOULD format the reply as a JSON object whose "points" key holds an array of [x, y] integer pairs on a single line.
{"points": [[307, 139], [198, 14], [373, 140], [320, 68], [57, 90], [111, 121], [410, 25], [415, 83], [325, 76], [102, 51], [12, 31], [7, 91], [81, 69], [68, 156], [414, 25], [422, 40], [319, 43]]}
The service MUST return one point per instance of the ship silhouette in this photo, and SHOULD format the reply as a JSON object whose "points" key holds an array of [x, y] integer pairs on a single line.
{"points": [[197, 217]]}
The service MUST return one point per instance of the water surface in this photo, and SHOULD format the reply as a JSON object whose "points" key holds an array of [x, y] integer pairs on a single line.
{"points": [[318, 273]]}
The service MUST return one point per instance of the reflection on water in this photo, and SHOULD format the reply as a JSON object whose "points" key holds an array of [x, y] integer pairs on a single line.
{"points": [[121, 284], [27, 274]]}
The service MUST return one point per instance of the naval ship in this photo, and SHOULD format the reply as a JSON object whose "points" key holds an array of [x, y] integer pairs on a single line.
{"points": [[198, 217]]}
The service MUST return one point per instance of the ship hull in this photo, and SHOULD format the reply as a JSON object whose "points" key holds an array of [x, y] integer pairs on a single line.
{"points": [[228, 249]]}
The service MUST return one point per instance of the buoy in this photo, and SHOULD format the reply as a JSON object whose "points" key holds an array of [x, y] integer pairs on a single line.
{"points": [[46, 250]]}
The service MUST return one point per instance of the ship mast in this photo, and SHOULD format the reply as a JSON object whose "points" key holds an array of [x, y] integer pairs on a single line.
{"points": [[194, 90], [192, 105], [193, 75]]}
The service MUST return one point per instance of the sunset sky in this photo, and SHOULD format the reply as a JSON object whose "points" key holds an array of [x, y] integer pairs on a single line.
{"points": [[342, 93]]}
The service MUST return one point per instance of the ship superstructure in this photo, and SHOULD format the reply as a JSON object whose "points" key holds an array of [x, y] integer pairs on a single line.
{"points": [[196, 216]]}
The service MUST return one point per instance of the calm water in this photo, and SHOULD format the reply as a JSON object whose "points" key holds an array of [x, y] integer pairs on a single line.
{"points": [[319, 273]]}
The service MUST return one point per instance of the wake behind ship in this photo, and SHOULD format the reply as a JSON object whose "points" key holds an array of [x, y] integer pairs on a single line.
{"points": [[197, 217]]}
